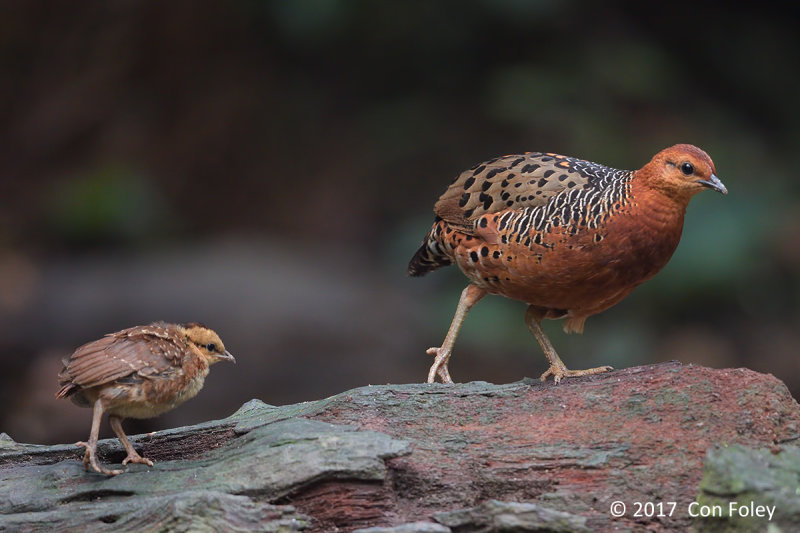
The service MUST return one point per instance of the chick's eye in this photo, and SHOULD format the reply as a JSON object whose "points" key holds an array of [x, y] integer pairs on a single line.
{"points": [[687, 168], [211, 347]]}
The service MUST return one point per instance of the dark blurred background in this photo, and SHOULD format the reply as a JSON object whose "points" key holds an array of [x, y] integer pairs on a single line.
{"points": [[268, 168]]}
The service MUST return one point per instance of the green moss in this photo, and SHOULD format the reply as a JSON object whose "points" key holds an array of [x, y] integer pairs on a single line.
{"points": [[744, 476]]}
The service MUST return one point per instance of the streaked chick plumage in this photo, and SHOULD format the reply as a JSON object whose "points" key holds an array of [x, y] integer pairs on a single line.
{"points": [[138, 372]]}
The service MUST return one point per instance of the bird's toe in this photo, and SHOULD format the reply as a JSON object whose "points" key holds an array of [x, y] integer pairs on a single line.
{"points": [[87, 455], [439, 367], [560, 372], [444, 374], [107, 471], [137, 459]]}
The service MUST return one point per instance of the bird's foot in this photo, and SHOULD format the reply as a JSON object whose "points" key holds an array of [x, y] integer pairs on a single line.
{"points": [[559, 372], [90, 460], [136, 458], [439, 367]]}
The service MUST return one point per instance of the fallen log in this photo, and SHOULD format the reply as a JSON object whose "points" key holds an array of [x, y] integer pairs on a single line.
{"points": [[668, 441]]}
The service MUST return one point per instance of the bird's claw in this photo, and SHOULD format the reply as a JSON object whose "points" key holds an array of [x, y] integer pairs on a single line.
{"points": [[136, 458], [439, 367], [90, 461], [560, 372]]}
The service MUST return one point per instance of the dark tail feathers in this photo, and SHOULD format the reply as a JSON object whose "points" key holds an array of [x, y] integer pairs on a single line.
{"points": [[428, 258]]}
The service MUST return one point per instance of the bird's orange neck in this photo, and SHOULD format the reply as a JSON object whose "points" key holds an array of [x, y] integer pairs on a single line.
{"points": [[649, 184], [653, 224], [659, 197]]}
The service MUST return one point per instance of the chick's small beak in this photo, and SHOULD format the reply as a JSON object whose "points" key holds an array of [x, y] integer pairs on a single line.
{"points": [[228, 356], [714, 183]]}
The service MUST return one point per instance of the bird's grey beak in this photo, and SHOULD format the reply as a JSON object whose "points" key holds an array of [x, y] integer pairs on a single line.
{"points": [[714, 183], [228, 356]]}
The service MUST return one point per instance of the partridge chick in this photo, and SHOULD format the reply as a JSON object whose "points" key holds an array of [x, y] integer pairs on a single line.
{"points": [[138, 372], [569, 237]]}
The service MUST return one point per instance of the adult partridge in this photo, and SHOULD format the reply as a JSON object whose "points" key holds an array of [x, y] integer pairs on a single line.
{"points": [[569, 237], [138, 372]]}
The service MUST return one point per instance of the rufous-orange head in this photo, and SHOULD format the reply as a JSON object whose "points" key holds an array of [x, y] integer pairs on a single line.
{"points": [[206, 343], [681, 171]]}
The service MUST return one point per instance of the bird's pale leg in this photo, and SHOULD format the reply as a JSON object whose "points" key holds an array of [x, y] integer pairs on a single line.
{"points": [[90, 457], [557, 368], [133, 455], [469, 297]]}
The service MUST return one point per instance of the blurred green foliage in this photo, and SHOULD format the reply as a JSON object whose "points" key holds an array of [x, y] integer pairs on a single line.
{"points": [[110, 206]]}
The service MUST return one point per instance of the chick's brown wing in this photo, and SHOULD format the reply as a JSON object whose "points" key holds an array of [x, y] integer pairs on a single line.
{"points": [[144, 350]]}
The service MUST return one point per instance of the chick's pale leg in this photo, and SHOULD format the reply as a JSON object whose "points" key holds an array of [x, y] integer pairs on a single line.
{"points": [[557, 368], [469, 297], [133, 455], [90, 457]]}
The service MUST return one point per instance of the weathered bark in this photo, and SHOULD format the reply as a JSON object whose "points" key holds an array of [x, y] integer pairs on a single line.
{"points": [[527, 456]]}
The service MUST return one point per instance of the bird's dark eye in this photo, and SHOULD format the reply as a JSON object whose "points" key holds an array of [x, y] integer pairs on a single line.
{"points": [[687, 168], [211, 347]]}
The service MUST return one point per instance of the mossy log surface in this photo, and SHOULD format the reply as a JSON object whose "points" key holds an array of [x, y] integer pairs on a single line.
{"points": [[527, 456]]}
